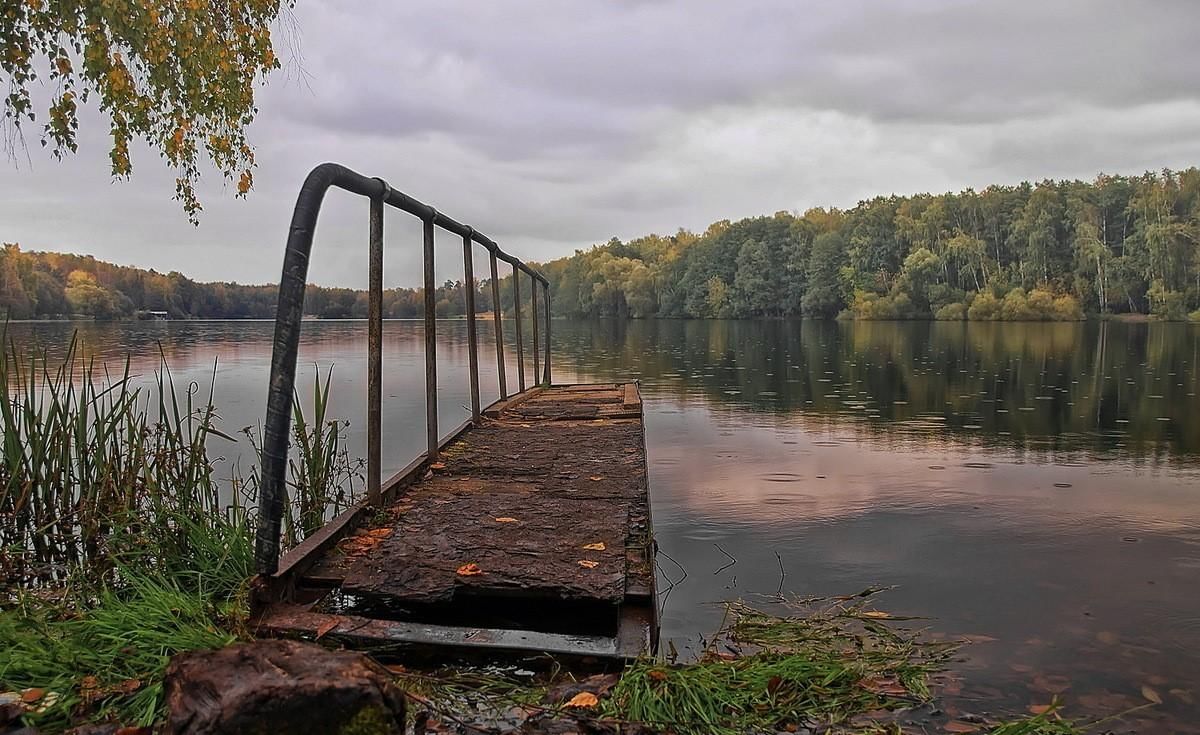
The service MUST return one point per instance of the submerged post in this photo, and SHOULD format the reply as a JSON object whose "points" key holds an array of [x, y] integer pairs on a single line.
{"points": [[517, 317], [499, 328], [431, 408], [469, 305], [546, 376], [537, 370], [375, 351]]}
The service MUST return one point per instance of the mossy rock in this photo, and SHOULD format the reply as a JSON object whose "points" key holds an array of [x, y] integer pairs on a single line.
{"points": [[273, 687]]}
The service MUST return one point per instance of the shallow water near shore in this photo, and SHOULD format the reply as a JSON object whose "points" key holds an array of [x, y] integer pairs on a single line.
{"points": [[1033, 488]]}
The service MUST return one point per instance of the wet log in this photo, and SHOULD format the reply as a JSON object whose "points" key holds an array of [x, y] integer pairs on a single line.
{"points": [[280, 687]]}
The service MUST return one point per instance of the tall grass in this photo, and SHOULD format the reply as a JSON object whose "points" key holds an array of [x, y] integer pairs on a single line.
{"points": [[119, 547], [821, 665], [90, 460], [95, 467], [101, 656], [322, 479]]}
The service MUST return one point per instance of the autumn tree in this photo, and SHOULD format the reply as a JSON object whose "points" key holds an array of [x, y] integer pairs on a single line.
{"points": [[178, 75]]}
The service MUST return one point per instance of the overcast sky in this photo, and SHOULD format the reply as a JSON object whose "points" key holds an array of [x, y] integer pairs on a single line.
{"points": [[556, 124]]}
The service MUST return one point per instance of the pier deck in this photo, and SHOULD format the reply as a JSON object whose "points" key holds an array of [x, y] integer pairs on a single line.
{"points": [[530, 534]]}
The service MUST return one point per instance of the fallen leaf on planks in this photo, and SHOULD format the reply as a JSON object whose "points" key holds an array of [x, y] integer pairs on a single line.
{"points": [[584, 699], [327, 626]]}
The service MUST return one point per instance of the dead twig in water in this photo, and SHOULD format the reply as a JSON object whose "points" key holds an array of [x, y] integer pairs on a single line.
{"points": [[732, 560]]}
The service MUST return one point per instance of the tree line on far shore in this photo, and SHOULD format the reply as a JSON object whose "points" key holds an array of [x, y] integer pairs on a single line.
{"points": [[1052, 250], [37, 285], [1056, 250]]}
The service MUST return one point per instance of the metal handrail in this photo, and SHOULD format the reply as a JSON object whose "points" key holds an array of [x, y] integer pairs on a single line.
{"points": [[287, 333]]}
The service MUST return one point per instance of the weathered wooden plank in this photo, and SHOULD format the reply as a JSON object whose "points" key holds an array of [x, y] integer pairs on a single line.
{"points": [[299, 559], [539, 553], [299, 622], [564, 492], [635, 632], [632, 398], [497, 408], [544, 506]]}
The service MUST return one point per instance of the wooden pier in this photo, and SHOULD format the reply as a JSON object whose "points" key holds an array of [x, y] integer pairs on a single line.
{"points": [[525, 531], [530, 534]]}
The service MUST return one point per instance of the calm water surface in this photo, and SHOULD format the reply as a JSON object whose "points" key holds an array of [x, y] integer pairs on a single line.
{"points": [[1032, 487]]}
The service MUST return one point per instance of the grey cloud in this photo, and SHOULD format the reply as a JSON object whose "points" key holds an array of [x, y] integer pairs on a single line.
{"points": [[553, 125], [568, 72]]}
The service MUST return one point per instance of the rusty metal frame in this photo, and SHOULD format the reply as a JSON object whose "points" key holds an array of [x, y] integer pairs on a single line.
{"points": [[516, 281], [288, 318], [533, 304]]}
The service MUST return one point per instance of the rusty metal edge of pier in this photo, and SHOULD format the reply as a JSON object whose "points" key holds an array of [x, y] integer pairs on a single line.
{"points": [[284, 606]]}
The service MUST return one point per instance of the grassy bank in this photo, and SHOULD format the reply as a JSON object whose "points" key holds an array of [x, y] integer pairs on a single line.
{"points": [[98, 653], [835, 665], [119, 547]]}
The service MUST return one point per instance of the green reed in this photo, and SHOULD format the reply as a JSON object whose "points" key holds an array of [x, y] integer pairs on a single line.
{"points": [[95, 468], [87, 463], [322, 479]]}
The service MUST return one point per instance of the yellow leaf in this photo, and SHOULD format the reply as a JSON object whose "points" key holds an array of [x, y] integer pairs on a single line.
{"points": [[584, 699], [438, 466], [506, 519], [1151, 695], [588, 563], [129, 686], [596, 478], [327, 626], [876, 614], [469, 570], [598, 546], [29, 696]]}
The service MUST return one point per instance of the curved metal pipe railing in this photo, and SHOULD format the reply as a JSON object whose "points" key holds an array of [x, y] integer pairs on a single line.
{"points": [[288, 317]]}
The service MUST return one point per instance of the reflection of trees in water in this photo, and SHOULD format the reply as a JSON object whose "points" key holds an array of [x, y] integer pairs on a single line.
{"points": [[1099, 386], [1062, 387]]}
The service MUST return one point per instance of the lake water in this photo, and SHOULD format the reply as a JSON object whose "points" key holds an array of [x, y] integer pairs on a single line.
{"points": [[1032, 487]]}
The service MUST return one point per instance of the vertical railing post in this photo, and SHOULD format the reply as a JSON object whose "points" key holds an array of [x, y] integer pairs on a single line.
{"points": [[537, 369], [375, 350], [546, 367], [469, 303], [499, 328], [431, 408], [517, 317]]}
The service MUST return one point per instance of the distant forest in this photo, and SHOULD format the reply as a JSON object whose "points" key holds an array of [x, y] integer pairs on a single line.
{"points": [[1052, 250], [54, 285]]}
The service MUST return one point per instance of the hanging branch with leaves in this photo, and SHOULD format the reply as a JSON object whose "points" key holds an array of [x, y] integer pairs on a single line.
{"points": [[177, 74]]}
